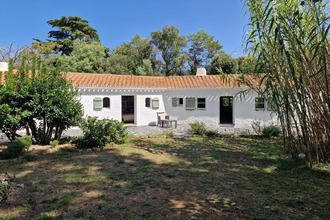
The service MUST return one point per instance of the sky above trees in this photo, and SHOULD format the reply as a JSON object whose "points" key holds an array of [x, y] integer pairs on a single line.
{"points": [[117, 21]]}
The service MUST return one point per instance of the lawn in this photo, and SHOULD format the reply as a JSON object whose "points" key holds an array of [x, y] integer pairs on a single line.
{"points": [[165, 178]]}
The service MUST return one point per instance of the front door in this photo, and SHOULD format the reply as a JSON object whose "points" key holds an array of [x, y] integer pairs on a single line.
{"points": [[127, 109], [226, 110]]}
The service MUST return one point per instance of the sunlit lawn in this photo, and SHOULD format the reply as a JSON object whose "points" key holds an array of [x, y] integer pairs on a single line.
{"points": [[164, 178]]}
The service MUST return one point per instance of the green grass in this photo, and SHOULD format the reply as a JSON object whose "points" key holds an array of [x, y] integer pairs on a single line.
{"points": [[165, 178]]}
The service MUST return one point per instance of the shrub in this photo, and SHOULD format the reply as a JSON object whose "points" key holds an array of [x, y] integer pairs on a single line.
{"points": [[26, 140], [13, 150], [98, 133], [197, 128], [212, 133], [53, 143], [168, 133], [271, 131], [16, 147]]}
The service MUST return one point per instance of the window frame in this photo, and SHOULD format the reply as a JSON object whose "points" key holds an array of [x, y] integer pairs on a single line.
{"points": [[103, 100], [257, 102], [148, 99], [198, 103]]}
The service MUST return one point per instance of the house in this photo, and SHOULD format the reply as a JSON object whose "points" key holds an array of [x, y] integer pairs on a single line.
{"points": [[137, 99], [3, 66]]}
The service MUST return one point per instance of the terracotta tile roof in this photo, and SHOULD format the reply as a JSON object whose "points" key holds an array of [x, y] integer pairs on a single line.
{"points": [[131, 81]]}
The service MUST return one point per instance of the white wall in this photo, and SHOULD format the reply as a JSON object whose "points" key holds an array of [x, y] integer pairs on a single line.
{"points": [[244, 112], [3, 66], [143, 115]]}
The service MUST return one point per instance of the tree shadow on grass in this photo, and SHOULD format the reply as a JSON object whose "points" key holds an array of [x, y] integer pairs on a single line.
{"points": [[203, 178]]}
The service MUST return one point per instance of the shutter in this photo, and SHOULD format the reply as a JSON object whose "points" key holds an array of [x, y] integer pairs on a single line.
{"points": [[190, 103], [174, 102], [97, 103], [155, 103]]}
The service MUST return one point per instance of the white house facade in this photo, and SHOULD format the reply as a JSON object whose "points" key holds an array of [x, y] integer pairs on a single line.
{"points": [[137, 99]]}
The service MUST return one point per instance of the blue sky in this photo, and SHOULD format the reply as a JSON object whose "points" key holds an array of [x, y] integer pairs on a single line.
{"points": [[117, 21]]}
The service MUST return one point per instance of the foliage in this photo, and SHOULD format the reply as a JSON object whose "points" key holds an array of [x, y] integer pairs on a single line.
{"points": [[250, 65], [169, 43], [197, 128], [202, 49], [145, 69], [271, 131], [4, 186], [86, 57], [223, 64], [70, 29], [212, 133], [54, 143], [44, 101], [25, 140], [14, 150], [98, 133], [292, 37], [135, 52], [168, 133]]}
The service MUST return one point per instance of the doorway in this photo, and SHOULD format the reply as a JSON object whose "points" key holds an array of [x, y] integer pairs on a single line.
{"points": [[127, 109], [226, 110]]}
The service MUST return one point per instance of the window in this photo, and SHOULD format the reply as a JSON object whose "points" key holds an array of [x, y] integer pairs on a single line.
{"points": [[260, 104], [201, 103], [148, 102], [177, 102], [155, 103], [180, 101], [106, 102], [190, 103], [97, 104]]}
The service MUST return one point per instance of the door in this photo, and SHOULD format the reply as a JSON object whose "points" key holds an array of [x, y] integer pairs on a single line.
{"points": [[127, 109], [226, 110]]}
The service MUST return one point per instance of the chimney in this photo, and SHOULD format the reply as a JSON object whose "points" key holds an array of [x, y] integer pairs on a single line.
{"points": [[3, 66], [201, 71]]}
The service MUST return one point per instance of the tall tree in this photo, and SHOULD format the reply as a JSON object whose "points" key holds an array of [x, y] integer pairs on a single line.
{"points": [[135, 51], [250, 64], [86, 57], [70, 28], [223, 63], [170, 44], [202, 49]]}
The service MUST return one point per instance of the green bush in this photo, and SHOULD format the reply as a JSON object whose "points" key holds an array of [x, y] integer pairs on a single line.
{"points": [[26, 140], [197, 128], [98, 133], [212, 133], [13, 150], [53, 143], [16, 148], [271, 131]]}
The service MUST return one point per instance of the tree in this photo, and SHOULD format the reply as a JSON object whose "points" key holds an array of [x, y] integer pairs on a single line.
{"points": [[202, 49], [39, 98], [85, 57], [170, 44], [70, 29], [15, 53], [135, 51], [249, 64], [292, 37], [223, 63]]}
